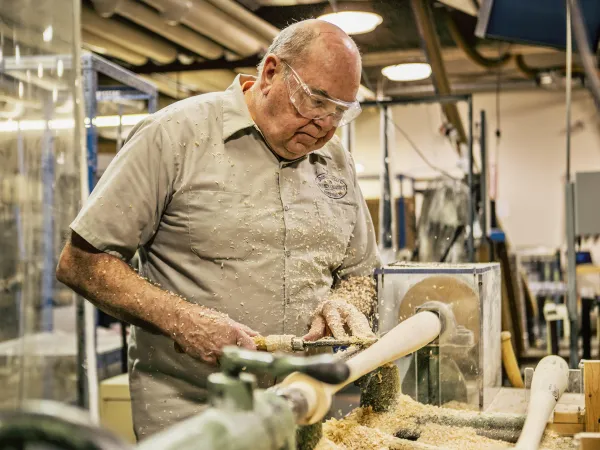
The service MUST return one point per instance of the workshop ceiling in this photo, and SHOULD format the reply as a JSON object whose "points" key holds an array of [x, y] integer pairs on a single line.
{"points": [[208, 41]]}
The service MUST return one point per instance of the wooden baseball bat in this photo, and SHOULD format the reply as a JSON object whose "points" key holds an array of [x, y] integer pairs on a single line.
{"points": [[406, 337], [550, 380]]}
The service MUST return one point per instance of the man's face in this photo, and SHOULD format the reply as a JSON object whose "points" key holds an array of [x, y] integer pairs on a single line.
{"points": [[289, 133]]}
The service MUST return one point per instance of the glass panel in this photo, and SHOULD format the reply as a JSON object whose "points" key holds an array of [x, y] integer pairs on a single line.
{"points": [[40, 156]]}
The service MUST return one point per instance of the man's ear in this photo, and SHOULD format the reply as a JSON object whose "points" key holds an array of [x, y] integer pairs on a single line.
{"points": [[272, 67]]}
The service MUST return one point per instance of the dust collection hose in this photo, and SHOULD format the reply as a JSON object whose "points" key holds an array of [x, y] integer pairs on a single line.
{"points": [[509, 360], [470, 51]]}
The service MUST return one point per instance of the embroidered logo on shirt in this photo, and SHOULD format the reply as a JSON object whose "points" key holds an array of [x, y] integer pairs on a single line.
{"points": [[331, 186]]}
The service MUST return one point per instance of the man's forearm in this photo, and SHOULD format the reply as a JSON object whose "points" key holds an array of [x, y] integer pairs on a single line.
{"points": [[114, 287]]}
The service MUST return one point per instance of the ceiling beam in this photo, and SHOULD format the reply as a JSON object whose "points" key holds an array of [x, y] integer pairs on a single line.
{"points": [[177, 66], [432, 48]]}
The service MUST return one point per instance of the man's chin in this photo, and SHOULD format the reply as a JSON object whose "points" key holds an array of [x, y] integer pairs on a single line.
{"points": [[300, 149]]}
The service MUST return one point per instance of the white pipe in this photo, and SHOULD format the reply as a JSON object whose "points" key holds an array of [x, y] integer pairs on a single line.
{"points": [[127, 37], [263, 28], [168, 86], [215, 24], [208, 80], [29, 103], [103, 46], [151, 20], [17, 110], [46, 82]]}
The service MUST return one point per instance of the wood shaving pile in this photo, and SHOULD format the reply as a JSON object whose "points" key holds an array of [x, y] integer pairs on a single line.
{"points": [[365, 429], [460, 406]]}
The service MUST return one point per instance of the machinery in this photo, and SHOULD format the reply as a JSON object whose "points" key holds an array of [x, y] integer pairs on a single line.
{"points": [[242, 417], [464, 363]]}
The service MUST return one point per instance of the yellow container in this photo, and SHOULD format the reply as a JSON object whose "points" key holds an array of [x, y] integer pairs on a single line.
{"points": [[115, 407]]}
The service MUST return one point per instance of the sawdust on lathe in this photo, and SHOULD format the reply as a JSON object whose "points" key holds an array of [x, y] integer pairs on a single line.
{"points": [[458, 438], [554, 441], [365, 429], [460, 406]]}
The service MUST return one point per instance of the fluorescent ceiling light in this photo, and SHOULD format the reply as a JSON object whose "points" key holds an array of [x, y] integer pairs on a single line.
{"points": [[64, 124], [407, 72], [354, 22]]}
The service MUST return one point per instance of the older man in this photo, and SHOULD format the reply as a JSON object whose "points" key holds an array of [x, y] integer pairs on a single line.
{"points": [[249, 212]]}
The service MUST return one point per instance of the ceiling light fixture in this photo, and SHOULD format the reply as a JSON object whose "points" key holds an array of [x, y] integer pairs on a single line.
{"points": [[354, 22], [407, 72]]}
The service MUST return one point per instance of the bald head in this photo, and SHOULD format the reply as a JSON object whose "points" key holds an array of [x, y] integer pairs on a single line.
{"points": [[325, 62], [317, 39]]}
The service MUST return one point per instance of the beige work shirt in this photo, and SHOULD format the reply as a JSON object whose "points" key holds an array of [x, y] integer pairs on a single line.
{"points": [[227, 225]]}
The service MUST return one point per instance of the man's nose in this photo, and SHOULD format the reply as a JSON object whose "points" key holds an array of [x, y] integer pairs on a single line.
{"points": [[325, 123]]}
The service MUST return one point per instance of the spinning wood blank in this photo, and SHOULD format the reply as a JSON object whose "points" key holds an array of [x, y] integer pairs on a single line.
{"points": [[404, 338]]}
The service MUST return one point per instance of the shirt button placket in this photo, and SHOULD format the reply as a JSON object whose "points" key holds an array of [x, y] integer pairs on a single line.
{"points": [[286, 252]]}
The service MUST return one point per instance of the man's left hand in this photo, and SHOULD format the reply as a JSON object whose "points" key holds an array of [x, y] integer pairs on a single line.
{"points": [[337, 316]]}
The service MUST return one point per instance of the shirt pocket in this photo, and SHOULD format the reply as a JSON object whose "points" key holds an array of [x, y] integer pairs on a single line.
{"points": [[218, 223], [336, 224]]}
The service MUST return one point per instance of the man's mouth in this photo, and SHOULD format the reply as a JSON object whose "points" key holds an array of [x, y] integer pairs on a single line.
{"points": [[305, 137]]}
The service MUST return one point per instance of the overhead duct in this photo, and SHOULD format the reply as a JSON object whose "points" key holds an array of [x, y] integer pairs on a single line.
{"points": [[153, 21], [389, 57], [127, 37], [28, 103], [46, 82], [34, 40], [103, 46], [212, 22], [282, 2], [168, 86], [208, 80], [252, 21], [470, 51], [463, 88], [12, 109]]}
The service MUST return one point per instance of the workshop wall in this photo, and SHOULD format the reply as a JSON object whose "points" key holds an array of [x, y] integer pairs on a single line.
{"points": [[531, 159]]}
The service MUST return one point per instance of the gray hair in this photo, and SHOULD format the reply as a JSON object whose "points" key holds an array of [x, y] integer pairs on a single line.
{"points": [[291, 44]]}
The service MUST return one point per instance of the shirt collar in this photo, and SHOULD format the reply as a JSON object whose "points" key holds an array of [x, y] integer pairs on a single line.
{"points": [[236, 115]]}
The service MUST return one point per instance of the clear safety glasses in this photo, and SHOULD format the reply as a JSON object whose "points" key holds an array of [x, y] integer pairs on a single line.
{"points": [[315, 106]]}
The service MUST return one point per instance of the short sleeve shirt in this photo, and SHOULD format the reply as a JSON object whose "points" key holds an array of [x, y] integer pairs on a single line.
{"points": [[226, 224]]}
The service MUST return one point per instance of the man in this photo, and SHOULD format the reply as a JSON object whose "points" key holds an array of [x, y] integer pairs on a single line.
{"points": [[248, 211]]}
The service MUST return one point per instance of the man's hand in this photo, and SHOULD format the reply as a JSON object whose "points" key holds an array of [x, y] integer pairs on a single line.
{"points": [[202, 333], [338, 315]]}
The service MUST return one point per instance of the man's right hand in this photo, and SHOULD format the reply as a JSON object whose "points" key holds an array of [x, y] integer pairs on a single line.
{"points": [[202, 333]]}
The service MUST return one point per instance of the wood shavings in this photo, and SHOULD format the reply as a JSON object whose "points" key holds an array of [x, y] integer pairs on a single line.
{"points": [[281, 343], [365, 429], [358, 291], [460, 406], [458, 438]]}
